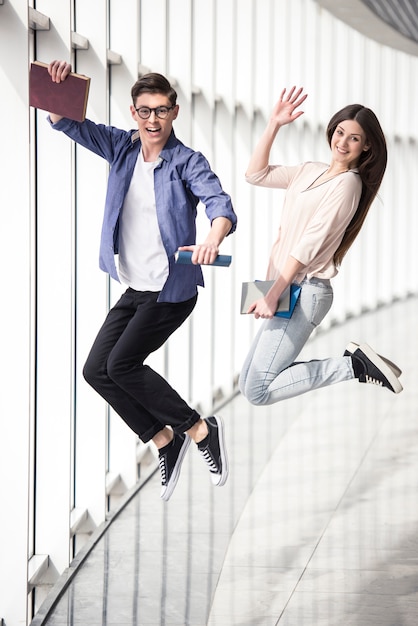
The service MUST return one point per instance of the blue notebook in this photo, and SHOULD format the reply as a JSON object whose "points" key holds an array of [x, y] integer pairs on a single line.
{"points": [[294, 295], [185, 257]]}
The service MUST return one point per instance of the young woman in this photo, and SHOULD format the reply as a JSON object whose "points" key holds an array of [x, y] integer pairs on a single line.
{"points": [[323, 212]]}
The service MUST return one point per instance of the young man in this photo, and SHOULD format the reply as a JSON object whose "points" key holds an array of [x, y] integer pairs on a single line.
{"points": [[154, 186]]}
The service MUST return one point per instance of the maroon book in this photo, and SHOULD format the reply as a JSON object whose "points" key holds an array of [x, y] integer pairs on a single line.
{"points": [[68, 98]]}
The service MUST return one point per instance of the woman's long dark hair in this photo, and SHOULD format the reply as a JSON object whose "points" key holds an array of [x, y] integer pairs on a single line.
{"points": [[371, 167]]}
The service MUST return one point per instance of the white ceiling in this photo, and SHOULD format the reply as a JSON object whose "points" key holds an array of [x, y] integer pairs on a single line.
{"points": [[391, 22]]}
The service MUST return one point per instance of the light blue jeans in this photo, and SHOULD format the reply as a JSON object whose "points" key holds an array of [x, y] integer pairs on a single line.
{"points": [[271, 373]]}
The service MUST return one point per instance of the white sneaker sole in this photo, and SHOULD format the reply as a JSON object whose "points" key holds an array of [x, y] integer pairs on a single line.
{"points": [[220, 480]]}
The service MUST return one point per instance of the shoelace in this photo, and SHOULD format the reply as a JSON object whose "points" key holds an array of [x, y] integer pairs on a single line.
{"points": [[162, 470], [373, 381], [209, 460]]}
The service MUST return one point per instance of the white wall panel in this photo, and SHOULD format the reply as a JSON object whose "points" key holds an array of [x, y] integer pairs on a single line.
{"points": [[399, 221], [403, 121], [389, 97], [283, 47], [153, 34], [203, 320], [244, 251], [202, 139], [124, 39], [16, 312], [173, 360], [225, 305], [263, 88], [413, 96], [326, 48], [312, 62], [55, 317], [411, 202], [294, 39], [243, 54], [371, 79], [90, 182], [225, 28], [203, 56], [178, 28]]}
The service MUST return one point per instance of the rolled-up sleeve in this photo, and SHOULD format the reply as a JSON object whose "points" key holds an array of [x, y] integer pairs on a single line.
{"points": [[206, 186], [274, 176]]}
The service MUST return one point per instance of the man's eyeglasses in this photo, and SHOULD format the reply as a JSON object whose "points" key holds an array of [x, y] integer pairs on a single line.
{"points": [[161, 112]]}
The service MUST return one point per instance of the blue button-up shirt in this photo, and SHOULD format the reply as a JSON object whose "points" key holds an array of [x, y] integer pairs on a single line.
{"points": [[182, 179]]}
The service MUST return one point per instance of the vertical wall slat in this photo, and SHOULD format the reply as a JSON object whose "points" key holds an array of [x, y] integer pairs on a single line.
{"points": [[90, 180], [55, 319], [16, 313]]}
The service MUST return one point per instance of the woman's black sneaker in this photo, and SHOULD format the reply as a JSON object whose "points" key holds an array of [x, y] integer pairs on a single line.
{"points": [[351, 347], [370, 368]]}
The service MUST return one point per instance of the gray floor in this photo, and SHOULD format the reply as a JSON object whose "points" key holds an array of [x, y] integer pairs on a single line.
{"points": [[317, 524]]}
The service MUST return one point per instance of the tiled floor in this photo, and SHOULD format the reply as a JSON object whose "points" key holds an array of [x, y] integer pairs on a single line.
{"points": [[316, 526]]}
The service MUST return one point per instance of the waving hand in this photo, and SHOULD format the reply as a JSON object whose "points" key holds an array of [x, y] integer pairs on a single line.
{"points": [[284, 112]]}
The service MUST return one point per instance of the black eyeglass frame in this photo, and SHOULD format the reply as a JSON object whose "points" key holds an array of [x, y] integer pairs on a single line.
{"points": [[156, 111]]}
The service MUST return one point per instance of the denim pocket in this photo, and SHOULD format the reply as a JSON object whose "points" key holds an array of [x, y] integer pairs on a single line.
{"points": [[321, 304]]}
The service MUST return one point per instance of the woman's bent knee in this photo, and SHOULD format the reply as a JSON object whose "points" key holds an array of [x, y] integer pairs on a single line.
{"points": [[255, 397], [250, 393]]}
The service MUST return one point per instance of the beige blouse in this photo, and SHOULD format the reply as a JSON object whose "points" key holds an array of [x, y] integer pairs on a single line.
{"points": [[314, 218]]}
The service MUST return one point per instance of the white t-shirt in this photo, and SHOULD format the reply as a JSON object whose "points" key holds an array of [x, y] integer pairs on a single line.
{"points": [[143, 262]]}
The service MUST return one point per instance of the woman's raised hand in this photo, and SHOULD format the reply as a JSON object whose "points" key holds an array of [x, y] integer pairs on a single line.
{"points": [[284, 111]]}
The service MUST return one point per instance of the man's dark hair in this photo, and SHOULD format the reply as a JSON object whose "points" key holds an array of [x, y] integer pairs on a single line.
{"points": [[153, 83]]}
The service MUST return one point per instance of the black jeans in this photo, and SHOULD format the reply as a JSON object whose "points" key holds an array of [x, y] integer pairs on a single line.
{"points": [[134, 328]]}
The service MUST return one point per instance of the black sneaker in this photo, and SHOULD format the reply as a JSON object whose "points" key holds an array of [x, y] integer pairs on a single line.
{"points": [[369, 367], [213, 450], [351, 347], [170, 459]]}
